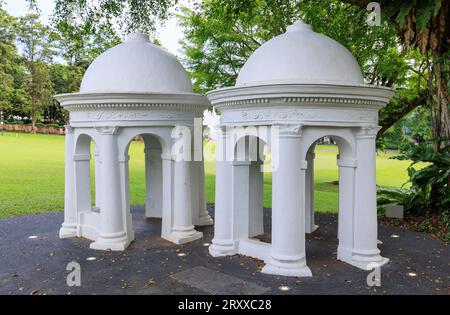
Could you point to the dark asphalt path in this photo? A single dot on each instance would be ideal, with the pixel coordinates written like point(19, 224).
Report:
point(152, 266)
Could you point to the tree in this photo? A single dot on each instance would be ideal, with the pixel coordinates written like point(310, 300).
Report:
point(127, 15)
point(221, 35)
point(424, 25)
point(8, 58)
point(79, 44)
point(63, 81)
point(37, 52)
point(13, 97)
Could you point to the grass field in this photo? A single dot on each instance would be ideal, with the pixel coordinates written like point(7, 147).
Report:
point(32, 175)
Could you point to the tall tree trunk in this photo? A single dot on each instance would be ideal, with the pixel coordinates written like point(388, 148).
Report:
point(439, 112)
point(442, 97)
point(33, 114)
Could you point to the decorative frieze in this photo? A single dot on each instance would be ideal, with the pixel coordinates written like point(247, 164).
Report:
point(299, 101)
point(123, 106)
point(128, 115)
point(302, 114)
point(109, 130)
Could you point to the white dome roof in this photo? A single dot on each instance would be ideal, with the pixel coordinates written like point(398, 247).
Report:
point(136, 66)
point(301, 56)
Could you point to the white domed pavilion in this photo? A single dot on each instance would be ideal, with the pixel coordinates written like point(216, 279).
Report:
point(133, 89)
point(295, 89)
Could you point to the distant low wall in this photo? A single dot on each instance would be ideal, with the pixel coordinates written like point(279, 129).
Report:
point(37, 129)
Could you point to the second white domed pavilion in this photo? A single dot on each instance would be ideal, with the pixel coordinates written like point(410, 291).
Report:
point(133, 89)
point(294, 90)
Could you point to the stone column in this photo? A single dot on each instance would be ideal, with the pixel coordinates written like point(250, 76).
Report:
point(256, 190)
point(309, 194)
point(182, 229)
point(365, 251)
point(125, 190)
point(347, 169)
point(69, 226)
point(112, 232)
point(203, 216)
point(98, 184)
point(82, 163)
point(288, 207)
point(167, 196)
point(200, 213)
point(195, 191)
point(223, 243)
point(153, 183)
point(240, 197)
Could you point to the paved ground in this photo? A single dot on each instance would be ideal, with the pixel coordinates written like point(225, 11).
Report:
point(153, 266)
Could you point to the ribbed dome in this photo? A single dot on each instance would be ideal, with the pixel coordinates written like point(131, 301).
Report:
point(301, 56)
point(136, 66)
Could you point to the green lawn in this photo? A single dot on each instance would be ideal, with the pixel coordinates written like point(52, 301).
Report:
point(32, 175)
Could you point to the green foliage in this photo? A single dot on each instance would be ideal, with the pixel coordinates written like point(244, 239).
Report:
point(412, 128)
point(127, 15)
point(37, 51)
point(29, 80)
point(398, 10)
point(11, 71)
point(429, 189)
point(220, 36)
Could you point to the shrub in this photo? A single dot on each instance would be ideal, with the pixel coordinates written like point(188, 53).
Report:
point(430, 185)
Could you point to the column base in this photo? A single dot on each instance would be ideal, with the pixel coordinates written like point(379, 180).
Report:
point(114, 243)
point(205, 220)
point(67, 231)
point(313, 229)
point(153, 213)
point(222, 248)
point(183, 237)
point(287, 268)
point(362, 261)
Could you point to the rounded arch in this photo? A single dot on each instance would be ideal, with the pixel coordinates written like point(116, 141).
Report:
point(250, 163)
point(249, 148)
point(152, 148)
point(157, 139)
point(248, 133)
point(343, 137)
point(87, 180)
point(151, 141)
point(83, 143)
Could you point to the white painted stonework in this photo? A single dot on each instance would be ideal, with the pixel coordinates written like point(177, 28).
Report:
point(295, 89)
point(135, 88)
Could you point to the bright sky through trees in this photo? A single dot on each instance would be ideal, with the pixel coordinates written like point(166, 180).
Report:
point(169, 34)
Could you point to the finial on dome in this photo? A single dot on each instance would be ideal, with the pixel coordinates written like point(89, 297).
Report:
point(299, 25)
point(137, 36)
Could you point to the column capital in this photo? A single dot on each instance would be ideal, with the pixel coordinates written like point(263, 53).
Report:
point(367, 131)
point(108, 130)
point(347, 163)
point(241, 163)
point(166, 156)
point(123, 158)
point(303, 165)
point(289, 130)
point(179, 130)
point(221, 132)
point(81, 157)
point(69, 129)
